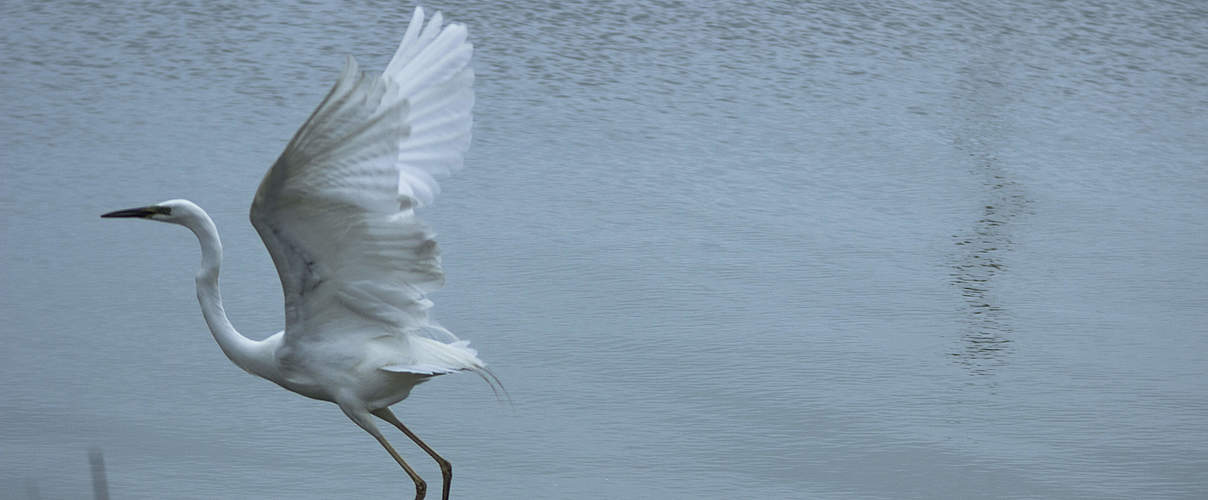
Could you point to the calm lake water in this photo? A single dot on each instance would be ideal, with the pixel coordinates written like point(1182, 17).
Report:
point(784, 250)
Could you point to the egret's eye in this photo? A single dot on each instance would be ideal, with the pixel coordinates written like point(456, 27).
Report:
point(162, 210)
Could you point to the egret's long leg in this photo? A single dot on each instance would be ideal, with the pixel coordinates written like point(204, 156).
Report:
point(366, 423)
point(446, 468)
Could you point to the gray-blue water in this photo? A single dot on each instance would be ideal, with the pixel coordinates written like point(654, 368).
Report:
point(791, 250)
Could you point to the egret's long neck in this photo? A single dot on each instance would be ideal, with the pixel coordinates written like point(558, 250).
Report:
point(249, 354)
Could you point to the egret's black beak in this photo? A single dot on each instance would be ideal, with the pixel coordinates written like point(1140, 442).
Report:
point(140, 212)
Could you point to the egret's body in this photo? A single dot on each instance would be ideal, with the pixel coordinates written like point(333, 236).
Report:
point(336, 212)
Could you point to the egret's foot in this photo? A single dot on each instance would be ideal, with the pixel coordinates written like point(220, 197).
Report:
point(446, 473)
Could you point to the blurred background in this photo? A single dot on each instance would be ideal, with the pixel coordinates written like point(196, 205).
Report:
point(713, 250)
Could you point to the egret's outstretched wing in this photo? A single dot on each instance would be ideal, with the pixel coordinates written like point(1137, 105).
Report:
point(336, 209)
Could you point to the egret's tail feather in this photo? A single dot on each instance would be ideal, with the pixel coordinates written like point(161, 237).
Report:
point(488, 376)
point(427, 356)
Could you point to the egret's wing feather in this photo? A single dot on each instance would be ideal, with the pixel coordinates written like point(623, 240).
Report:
point(336, 211)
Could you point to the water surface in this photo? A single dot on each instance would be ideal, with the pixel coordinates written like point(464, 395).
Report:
point(787, 250)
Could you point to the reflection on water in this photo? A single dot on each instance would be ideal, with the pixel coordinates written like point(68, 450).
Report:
point(981, 102)
point(982, 257)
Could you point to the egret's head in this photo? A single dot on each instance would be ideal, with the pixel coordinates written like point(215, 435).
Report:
point(174, 211)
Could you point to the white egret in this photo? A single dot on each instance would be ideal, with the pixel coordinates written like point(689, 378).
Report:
point(336, 211)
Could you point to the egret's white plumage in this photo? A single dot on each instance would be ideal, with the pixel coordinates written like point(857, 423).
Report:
point(337, 214)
